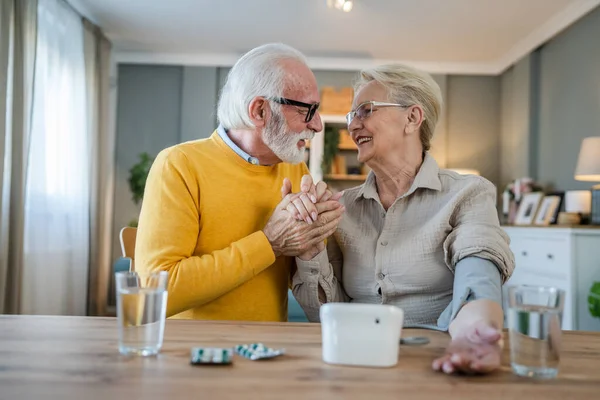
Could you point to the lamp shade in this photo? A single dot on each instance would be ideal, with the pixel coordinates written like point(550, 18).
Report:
point(578, 201)
point(588, 164)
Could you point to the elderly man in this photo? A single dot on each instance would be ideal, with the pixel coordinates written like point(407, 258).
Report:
point(213, 214)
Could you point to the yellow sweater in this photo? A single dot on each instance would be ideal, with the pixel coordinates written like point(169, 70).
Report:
point(202, 217)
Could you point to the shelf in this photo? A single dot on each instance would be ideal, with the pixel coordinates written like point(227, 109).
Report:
point(347, 147)
point(343, 177)
point(333, 119)
point(340, 147)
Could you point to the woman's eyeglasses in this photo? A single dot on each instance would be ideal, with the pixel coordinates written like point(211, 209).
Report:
point(364, 110)
point(310, 113)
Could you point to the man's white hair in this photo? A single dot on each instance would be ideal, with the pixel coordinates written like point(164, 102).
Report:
point(257, 73)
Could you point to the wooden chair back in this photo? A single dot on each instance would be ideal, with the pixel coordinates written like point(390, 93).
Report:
point(127, 238)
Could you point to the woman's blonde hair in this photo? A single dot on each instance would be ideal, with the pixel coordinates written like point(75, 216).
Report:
point(409, 86)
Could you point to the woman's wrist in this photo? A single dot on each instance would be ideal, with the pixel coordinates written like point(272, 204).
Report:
point(470, 332)
point(476, 313)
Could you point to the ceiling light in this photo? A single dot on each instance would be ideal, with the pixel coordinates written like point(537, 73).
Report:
point(344, 5)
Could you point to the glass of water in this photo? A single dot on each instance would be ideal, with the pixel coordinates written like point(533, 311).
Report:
point(534, 323)
point(141, 311)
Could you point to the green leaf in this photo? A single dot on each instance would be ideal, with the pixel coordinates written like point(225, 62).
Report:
point(331, 138)
point(594, 300)
point(138, 175)
point(523, 322)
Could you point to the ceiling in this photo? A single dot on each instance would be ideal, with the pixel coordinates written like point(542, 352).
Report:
point(441, 36)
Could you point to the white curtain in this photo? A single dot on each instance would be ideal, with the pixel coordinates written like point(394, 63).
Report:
point(57, 206)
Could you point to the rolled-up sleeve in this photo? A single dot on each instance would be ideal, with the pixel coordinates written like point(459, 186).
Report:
point(474, 279)
point(319, 273)
point(476, 231)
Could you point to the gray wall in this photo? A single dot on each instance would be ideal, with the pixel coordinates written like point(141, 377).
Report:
point(550, 102)
point(157, 107)
point(198, 106)
point(473, 118)
point(148, 120)
point(518, 121)
point(221, 77)
point(569, 106)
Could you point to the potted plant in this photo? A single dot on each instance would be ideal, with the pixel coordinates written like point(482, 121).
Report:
point(137, 180)
point(594, 300)
point(331, 141)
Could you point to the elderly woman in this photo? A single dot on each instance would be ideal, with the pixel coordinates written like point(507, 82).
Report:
point(415, 236)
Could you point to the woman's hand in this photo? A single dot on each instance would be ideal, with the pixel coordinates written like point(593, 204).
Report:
point(312, 252)
point(477, 349)
point(302, 205)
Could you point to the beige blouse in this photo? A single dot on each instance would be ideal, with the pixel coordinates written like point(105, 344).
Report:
point(407, 256)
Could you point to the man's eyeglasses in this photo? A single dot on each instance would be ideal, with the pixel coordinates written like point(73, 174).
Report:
point(364, 110)
point(312, 108)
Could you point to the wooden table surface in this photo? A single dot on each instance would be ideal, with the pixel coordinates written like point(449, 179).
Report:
point(77, 358)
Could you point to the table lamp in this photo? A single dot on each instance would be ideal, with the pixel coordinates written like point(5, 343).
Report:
point(588, 170)
point(578, 202)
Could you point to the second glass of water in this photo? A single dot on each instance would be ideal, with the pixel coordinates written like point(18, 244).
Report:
point(141, 311)
point(534, 323)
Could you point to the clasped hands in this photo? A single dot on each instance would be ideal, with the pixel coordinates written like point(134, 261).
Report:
point(302, 221)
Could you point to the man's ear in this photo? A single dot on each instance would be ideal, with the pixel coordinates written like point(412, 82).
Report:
point(258, 110)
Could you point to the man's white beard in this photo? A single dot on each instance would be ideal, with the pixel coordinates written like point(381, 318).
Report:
point(283, 142)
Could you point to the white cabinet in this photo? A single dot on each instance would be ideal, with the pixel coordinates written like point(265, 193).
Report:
point(567, 258)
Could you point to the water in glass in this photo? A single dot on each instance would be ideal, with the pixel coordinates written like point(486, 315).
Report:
point(141, 312)
point(535, 333)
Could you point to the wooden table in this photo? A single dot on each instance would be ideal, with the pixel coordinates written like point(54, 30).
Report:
point(77, 358)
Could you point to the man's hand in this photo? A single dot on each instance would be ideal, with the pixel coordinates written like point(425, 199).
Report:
point(291, 237)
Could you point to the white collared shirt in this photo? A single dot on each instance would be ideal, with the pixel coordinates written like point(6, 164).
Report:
point(223, 134)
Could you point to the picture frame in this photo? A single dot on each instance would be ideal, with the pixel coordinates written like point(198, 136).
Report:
point(528, 208)
point(561, 205)
point(548, 210)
